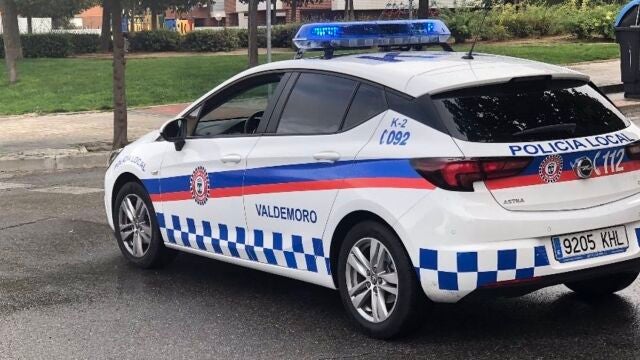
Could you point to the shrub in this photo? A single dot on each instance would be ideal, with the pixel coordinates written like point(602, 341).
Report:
point(211, 40)
point(243, 37)
point(46, 45)
point(461, 22)
point(282, 35)
point(84, 43)
point(156, 40)
point(532, 18)
point(593, 22)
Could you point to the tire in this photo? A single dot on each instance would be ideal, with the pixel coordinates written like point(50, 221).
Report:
point(154, 253)
point(603, 286)
point(405, 314)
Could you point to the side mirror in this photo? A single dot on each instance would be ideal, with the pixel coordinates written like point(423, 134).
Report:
point(174, 131)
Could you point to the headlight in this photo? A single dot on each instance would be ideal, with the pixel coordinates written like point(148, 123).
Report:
point(112, 156)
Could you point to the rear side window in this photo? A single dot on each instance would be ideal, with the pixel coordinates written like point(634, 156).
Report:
point(317, 105)
point(368, 102)
point(521, 113)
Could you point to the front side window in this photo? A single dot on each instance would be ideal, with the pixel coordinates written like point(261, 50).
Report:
point(514, 113)
point(237, 111)
point(317, 105)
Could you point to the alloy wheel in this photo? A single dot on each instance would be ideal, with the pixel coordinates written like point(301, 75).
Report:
point(372, 280)
point(134, 225)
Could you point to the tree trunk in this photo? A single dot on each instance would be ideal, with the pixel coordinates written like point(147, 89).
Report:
point(154, 19)
point(253, 33)
point(352, 13)
point(119, 90)
point(423, 9)
point(274, 17)
point(294, 11)
point(29, 24)
point(105, 32)
point(11, 38)
point(346, 10)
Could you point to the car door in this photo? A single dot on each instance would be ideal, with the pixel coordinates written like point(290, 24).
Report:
point(295, 170)
point(201, 185)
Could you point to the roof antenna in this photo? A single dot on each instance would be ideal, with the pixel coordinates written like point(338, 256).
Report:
point(469, 55)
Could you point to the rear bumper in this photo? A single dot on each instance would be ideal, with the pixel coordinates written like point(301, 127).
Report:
point(463, 246)
point(519, 288)
point(449, 273)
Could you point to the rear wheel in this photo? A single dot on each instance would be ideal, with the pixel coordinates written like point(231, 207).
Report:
point(137, 230)
point(604, 285)
point(377, 283)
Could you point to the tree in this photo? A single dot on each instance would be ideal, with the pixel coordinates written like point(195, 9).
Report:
point(105, 32)
point(423, 9)
point(11, 38)
point(55, 9)
point(252, 36)
point(253, 33)
point(349, 13)
point(119, 90)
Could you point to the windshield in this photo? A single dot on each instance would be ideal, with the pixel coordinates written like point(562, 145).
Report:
point(522, 112)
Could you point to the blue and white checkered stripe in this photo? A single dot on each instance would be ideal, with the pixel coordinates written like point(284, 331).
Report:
point(464, 271)
point(269, 248)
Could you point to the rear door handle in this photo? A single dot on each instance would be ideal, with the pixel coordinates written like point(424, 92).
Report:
point(231, 158)
point(330, 156)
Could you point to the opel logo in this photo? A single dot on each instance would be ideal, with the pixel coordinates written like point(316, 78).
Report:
point(583, 167)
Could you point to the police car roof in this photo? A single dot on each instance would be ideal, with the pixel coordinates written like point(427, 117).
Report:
point(420, 72)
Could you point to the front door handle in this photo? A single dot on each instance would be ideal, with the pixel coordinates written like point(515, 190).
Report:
point(231, 158)
point(330, 156)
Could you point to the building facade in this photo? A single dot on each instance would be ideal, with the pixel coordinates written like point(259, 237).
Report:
point(234, 13)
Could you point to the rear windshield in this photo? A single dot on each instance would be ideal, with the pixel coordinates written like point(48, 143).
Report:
point(521, 112)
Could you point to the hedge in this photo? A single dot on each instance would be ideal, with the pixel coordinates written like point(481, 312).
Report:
point(85, 43)
point(211, 40)
point(532, 18)
point(56, 45)
point(159, 40)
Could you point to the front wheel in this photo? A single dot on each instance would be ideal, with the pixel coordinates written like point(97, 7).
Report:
point(377, 283)
point(137, 230)
point(604, 285)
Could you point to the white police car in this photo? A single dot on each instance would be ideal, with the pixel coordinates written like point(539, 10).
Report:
point(392, 175)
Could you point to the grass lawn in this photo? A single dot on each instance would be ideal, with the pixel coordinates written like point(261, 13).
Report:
point(554, 53)
point(62, 85)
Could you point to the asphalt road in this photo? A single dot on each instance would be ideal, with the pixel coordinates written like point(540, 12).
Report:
point(66, 292)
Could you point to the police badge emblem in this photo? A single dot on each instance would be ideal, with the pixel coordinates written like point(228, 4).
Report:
point(199, 185)
point(550, 168)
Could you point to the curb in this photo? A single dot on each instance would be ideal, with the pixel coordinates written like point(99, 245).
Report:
point(61, 162)
point(611, 89)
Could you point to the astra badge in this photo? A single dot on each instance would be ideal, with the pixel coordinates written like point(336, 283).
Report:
point(199, 185)
point(583, 167)
point(550, 168)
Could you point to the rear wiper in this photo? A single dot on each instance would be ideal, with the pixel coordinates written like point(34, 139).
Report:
point(566, 128)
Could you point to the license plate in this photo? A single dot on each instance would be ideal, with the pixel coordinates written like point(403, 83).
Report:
point(590, 244)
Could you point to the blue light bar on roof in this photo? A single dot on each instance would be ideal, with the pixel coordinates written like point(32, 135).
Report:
point(371, 33)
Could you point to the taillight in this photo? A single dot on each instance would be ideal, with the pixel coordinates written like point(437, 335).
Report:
point(633, 151)
point(459, 175)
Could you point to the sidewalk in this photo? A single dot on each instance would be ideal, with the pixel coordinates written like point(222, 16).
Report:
point(77, 140)
point(81, 140)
